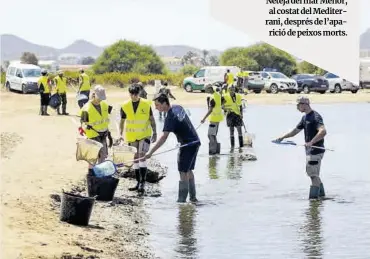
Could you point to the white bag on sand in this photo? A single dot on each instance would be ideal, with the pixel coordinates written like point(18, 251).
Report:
point(88, 150)
point(124, 154)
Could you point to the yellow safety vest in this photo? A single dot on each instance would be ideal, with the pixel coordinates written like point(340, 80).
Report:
point(99, 122)
point(230, 78)
point(216, 115)
point(85, 83)
point(239, 74)
point(233, 106)
point(61, 84)
point(137, 125)
point(44, 81)
point(245, 74)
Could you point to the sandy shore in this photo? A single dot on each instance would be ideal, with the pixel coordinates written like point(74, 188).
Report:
point(38, 161)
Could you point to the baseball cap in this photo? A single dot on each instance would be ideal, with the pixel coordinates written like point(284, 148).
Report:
point(303, 100)
point(100, 92)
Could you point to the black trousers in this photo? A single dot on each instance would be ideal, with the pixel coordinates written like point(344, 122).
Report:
point(45, 98)
point(63, 98)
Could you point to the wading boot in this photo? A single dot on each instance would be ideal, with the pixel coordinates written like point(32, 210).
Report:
point(212, 148)
point(183, 191)
point(64, 109)
point(241, 141)
point(192, 191)
point(218, 151)
point(143, 171)
point(232, 141)
point(137, 175)
point(314, 192)
point(322, 190)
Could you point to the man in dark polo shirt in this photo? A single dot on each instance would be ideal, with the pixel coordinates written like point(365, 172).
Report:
point(178, 122)
point(314, 132)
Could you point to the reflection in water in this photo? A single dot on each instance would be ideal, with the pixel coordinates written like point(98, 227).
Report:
point(187, 246)
point(312, 240)
point(234, 165)
point(212, 166)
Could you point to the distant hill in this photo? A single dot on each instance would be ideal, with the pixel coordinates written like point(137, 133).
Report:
point(365, 40)
point(13, 46)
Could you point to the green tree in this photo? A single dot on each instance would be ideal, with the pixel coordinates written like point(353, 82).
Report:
point(307, 68)
point(127, 56)
point(189, 69)
point(29, 58)
point(258, 56)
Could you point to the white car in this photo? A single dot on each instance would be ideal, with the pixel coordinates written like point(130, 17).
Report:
point(337, 84)
point(278, 82)
point(207, 75)
point(22, 77)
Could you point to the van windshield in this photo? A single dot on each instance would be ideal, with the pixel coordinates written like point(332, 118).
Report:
point(31, 72)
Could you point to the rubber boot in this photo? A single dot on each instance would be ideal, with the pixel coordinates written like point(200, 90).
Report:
point(192, 191)
point(143, 171)
point(314, 192)
point(46, 110)
point(241, 141)
point(322, 190)
point(64, 109)
point(232, 141)
point(58, 110)
point(212, 148)
point(137, 175)
point(218, 148)
point(183, 191)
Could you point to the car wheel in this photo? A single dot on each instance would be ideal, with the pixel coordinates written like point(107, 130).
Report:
point(24, 91)
point(7, 86)
point(337, 89)
point(306, 90)
point(354, 91)
point(188, 88)
point(274, 89)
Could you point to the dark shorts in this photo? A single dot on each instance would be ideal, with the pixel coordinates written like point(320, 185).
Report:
point(234, 120)
point(186, 158)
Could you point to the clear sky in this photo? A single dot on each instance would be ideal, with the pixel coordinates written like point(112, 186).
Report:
point(58, 23)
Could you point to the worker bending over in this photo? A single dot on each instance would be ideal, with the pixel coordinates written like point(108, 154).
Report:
point(165, 90)
point(95, 121)
point(139, 127)
point(214, 102)
point(178, 122)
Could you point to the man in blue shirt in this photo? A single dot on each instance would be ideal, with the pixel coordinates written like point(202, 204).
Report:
point(178, 122)
point(314, 133)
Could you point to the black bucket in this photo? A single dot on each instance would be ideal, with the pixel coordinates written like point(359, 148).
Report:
point(76, 209)
point(102, 187)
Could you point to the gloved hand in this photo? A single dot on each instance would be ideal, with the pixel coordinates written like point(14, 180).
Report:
point(81, 131)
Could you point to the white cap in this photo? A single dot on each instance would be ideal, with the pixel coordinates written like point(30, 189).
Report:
point(100, 92)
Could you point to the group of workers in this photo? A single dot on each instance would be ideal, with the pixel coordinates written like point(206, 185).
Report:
point(58, 85)
point(138, 127)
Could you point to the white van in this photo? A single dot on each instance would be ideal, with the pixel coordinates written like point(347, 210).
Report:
point(22, 77)
point(207, 75)
point(365, 73)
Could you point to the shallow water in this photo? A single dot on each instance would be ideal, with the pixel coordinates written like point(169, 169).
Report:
point(259, 209)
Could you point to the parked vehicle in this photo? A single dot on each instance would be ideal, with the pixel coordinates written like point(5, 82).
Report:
point(337, 84)
point(207, 75)
point(22, 77)
point(255, 82)
point(311, 83)
point(278, 82)
point(365, 73)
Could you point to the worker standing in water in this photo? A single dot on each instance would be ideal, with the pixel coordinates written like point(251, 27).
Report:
point(234, 118)
point(45, 92)
point(84, 87)
point(61, 89)
point(314, 133)
point(178, 122)
point(95, 122)
point(214, 103)
point(138, 128)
